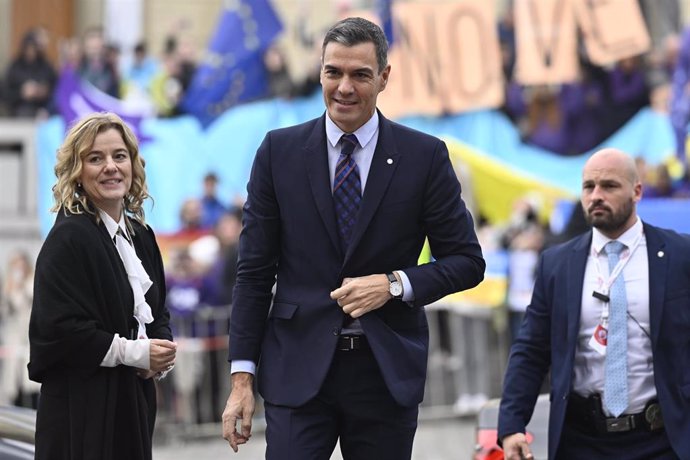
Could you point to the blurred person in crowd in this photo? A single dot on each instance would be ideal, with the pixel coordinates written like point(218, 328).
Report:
point(279, 80)
point(96, 66)
point(219, 280)
point(211, 206)
point(166, 88)
point(609, 320)
point(191, 214)
point(144, 68)
point(70, 51)
point(682, 187)
point(342, 354)
point(184, 283)
point(15, 310)
point(661, 62)
point(523, 239)
point(176, 72)
point(661, 184)
point(30, 80)
point(544, 125)
point(628, 91)
point(680, 96)
point(99, 330)
point(583, 104)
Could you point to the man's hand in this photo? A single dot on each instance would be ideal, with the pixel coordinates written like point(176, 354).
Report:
point(515, 447)
point(161, 355)
point(361, 295)
point(240, 406)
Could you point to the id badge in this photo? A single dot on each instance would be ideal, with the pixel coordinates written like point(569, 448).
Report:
point(598, 340)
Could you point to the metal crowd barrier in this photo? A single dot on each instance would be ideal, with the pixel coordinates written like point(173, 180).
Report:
point(468, 350)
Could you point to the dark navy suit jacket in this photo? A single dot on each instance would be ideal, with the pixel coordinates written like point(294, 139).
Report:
point(290, 232)
point(548, 336)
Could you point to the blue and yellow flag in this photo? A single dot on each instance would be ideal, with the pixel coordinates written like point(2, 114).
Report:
point(232, 70)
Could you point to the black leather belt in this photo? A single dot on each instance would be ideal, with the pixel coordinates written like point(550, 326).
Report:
point(352, 342)
point(586, 414)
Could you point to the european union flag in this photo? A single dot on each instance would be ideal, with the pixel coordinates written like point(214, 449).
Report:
point(232, 70)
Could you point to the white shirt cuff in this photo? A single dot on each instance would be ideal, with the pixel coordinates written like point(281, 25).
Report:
point(408, 293)
point(134, 353)
point(243, 365)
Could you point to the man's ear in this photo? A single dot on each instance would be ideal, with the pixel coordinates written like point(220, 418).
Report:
point(384, 76)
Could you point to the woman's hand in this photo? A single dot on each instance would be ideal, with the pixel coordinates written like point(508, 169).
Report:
point(162, 355)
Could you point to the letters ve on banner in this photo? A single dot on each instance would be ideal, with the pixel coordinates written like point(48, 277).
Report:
point(446, 56)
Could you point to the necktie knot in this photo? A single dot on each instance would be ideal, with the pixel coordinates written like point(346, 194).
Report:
point(348, 144)
point(614, 247)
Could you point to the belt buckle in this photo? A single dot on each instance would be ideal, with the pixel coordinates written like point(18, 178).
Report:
point(652, 415)
point(620, 424)
point(349, 344)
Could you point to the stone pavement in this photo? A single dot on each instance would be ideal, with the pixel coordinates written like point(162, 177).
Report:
point(445, 439)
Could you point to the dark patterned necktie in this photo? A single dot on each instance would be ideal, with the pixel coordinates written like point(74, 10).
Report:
point(347, 188)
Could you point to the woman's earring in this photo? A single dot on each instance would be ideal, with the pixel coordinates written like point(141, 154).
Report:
point(78, 184)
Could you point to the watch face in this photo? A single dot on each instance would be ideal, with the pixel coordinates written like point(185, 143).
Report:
point(396, 289)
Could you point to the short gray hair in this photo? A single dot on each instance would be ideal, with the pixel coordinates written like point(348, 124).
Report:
point(353, 31)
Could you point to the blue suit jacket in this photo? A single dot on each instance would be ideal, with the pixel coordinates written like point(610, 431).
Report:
point(549, 334)
point(290, 232)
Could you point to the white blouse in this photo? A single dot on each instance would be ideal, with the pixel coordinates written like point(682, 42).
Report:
point(134, 352)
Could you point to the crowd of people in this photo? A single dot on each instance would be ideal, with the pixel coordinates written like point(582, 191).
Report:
point(364, 280)
point(155, 82)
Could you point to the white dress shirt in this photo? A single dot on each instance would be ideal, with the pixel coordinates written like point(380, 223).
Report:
point(590, 364)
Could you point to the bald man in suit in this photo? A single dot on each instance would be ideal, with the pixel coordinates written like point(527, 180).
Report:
point(606, 402)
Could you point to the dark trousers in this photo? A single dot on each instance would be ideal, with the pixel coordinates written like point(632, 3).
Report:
point(633, 445)
point(354, 406)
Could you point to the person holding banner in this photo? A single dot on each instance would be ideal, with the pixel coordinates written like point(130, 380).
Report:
point(610, 319)
point(99, 330)
point(342, 346)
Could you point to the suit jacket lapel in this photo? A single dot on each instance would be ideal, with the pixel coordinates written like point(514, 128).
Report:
point(316, 161)
point(575, 284)
point(383, 165)
point(658, 266)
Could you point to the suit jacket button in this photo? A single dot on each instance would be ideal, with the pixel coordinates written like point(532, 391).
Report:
point(336, 331)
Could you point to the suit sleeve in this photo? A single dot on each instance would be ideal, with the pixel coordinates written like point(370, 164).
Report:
point(259, 249)
point(529, 360)
point(458, 263)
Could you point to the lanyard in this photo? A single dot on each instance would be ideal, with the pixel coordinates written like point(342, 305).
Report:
point(605, 285)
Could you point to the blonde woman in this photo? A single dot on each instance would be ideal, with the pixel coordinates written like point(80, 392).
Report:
point(99, 329)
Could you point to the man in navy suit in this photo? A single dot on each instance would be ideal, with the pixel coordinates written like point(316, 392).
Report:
point(606, 402)
point(342, 346)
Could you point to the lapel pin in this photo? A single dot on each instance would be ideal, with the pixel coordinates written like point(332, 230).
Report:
point(389, 161)
point(660, 254)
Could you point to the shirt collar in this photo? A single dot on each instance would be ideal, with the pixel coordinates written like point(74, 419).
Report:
point(111, 225)
point(599, 240)
point(364, 134)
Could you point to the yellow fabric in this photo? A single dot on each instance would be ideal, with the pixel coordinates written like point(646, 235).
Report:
point(495, 186)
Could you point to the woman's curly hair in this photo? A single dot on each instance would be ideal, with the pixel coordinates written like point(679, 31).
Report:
point(67, 191)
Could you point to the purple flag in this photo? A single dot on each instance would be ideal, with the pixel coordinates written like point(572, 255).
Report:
point(76, 97)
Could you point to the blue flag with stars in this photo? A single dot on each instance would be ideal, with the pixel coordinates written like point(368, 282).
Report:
point(232, 70)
